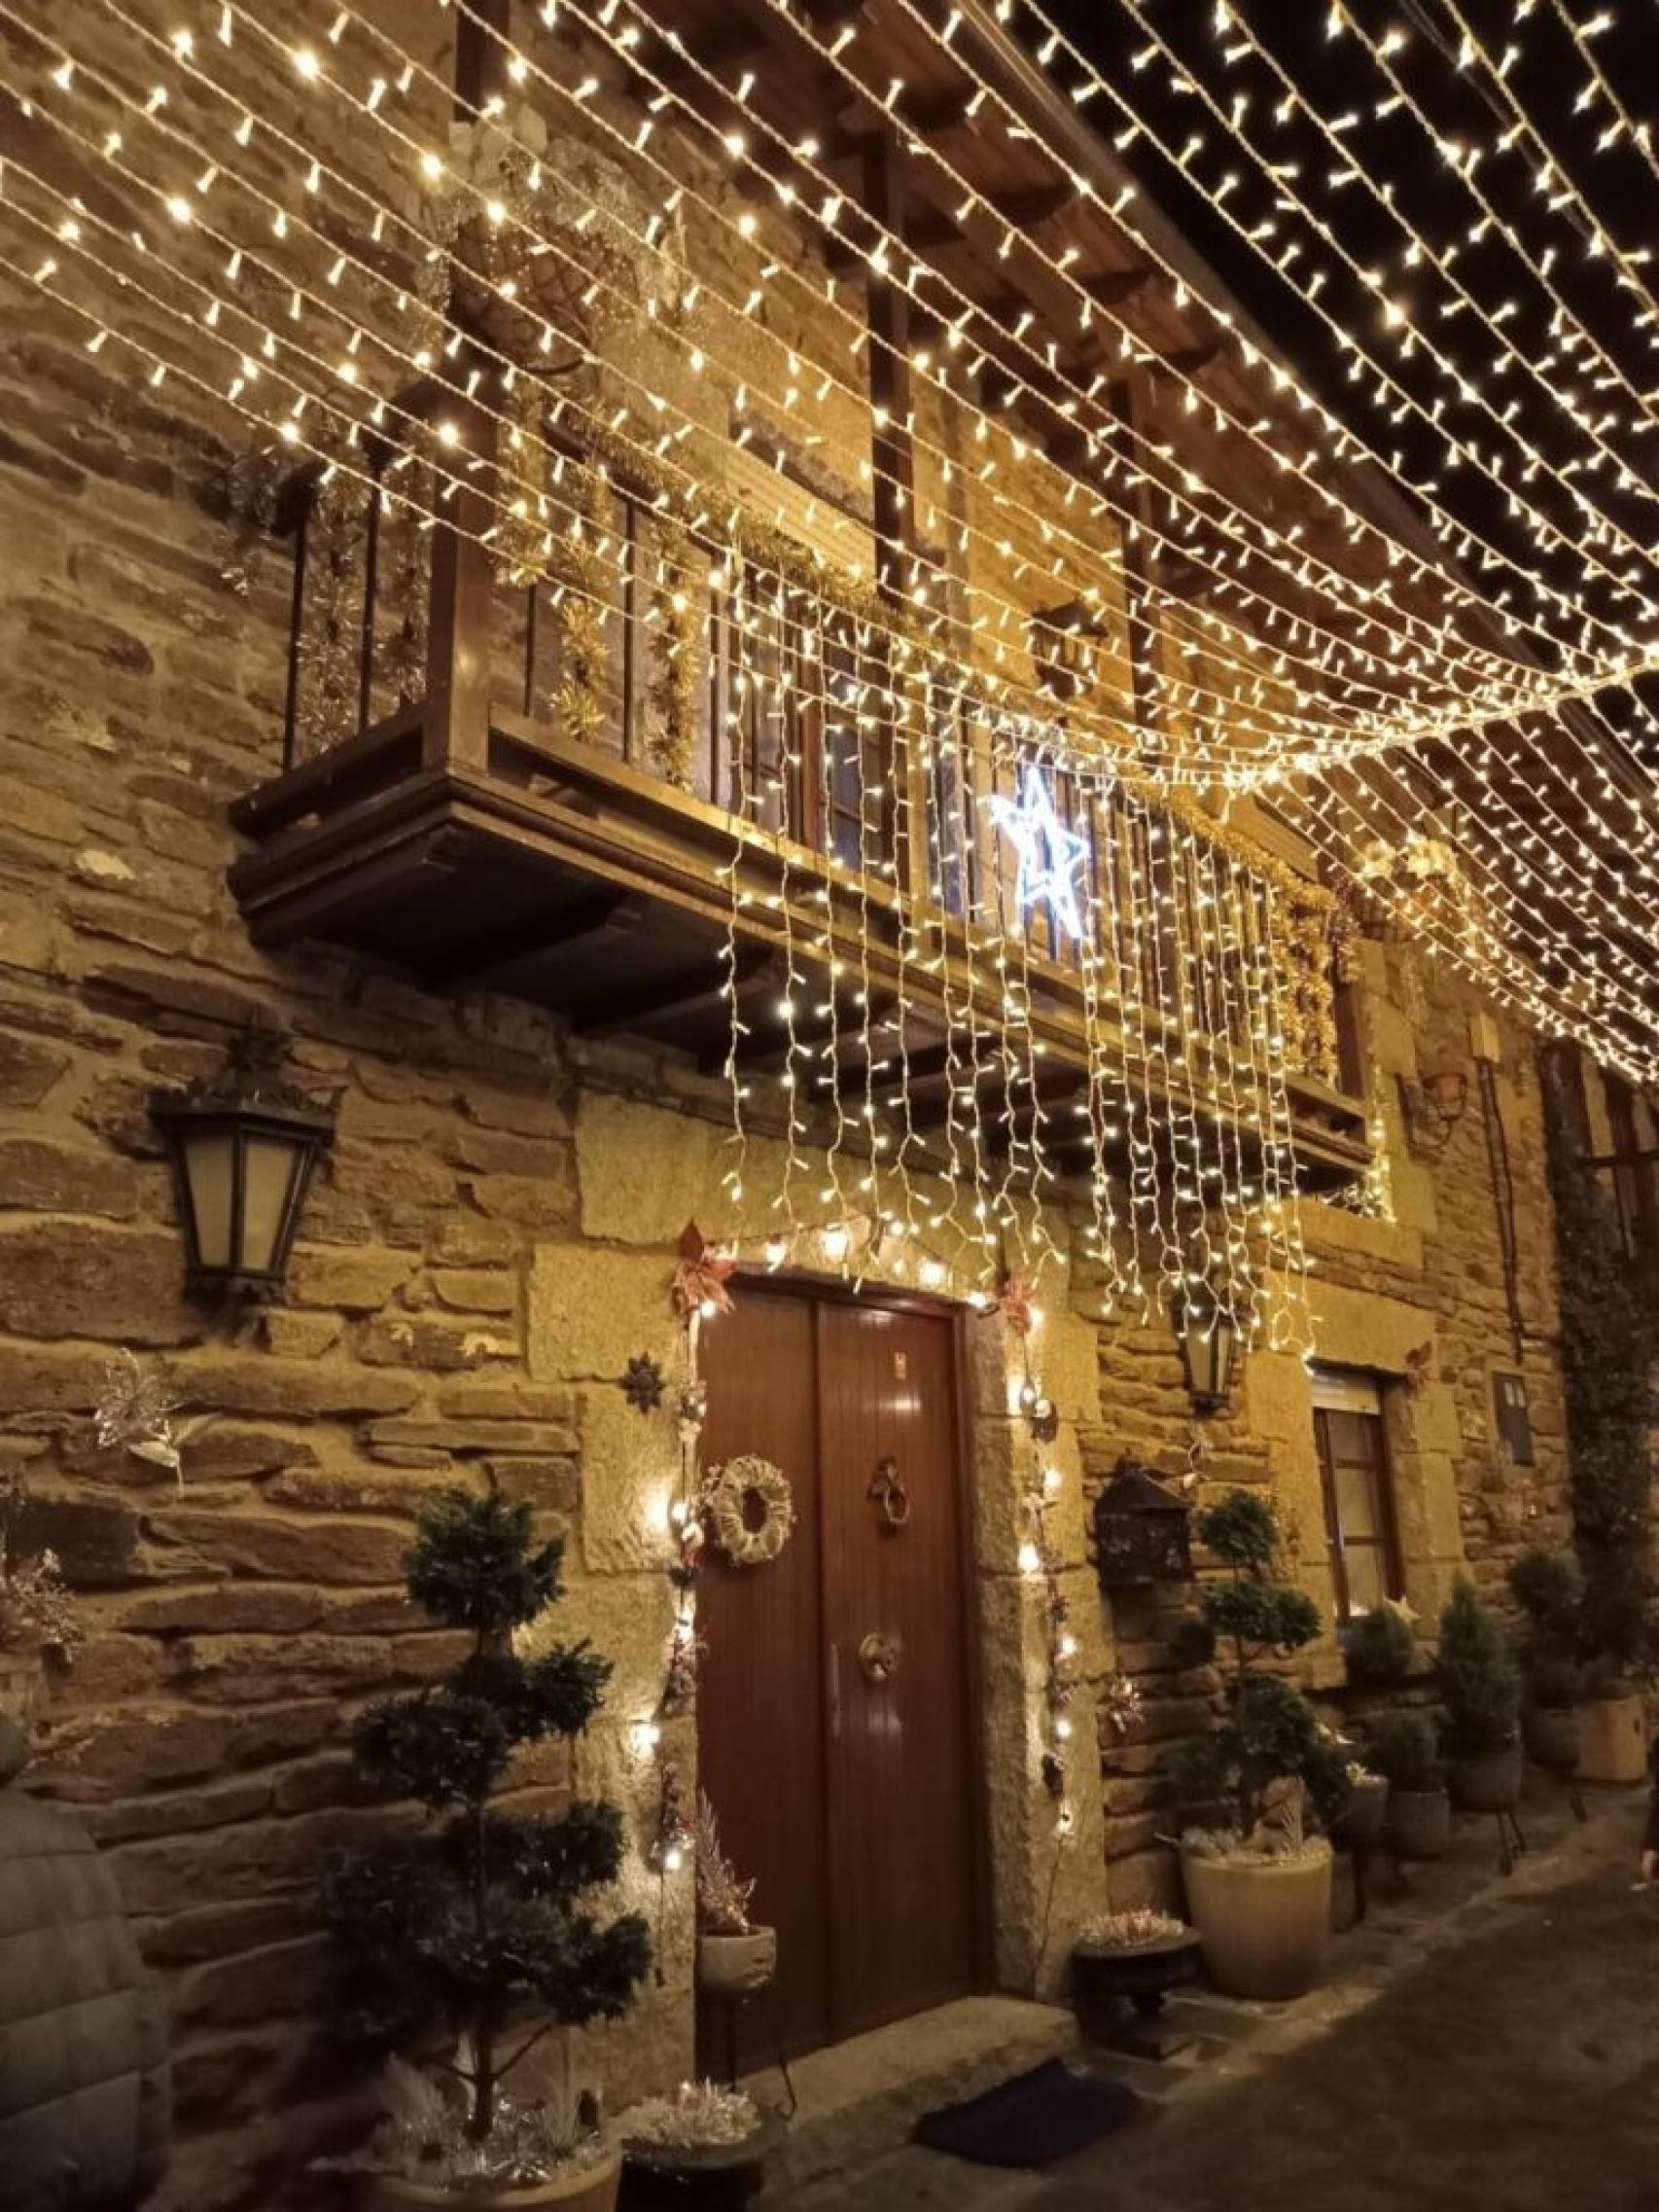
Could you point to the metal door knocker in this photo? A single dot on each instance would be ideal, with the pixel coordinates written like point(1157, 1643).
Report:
point(878, 1658)
point(889, 1491)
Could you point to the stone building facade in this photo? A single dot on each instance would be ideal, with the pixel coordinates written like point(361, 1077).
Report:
point(491, 1242)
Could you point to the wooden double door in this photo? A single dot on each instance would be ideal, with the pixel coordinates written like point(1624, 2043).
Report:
point(836, 1705)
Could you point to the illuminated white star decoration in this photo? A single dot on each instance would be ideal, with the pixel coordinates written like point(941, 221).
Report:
point(1049, 854)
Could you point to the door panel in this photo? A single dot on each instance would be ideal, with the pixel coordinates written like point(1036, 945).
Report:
point(761, 1685)
point(850, 1801)
point(899, 1808)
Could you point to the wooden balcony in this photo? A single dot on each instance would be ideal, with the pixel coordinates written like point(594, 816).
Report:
point(467, 836)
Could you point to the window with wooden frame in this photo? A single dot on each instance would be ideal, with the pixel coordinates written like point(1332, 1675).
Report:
point(1360, 1533)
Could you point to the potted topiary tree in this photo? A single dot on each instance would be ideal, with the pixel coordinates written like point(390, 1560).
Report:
point(735, 1956)
point(1379, 1649)
point(470, 1938)
point(1258, 1882)
point(1549, 1588)
point(1481, 1688)
point(1401, 1747)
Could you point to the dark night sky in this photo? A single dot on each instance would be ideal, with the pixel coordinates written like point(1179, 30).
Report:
point(1340, 75)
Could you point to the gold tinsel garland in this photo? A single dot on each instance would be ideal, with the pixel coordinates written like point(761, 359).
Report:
point(331, 639)
point(672, 690)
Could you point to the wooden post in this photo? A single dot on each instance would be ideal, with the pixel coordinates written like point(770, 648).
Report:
point(481, 57)
point(893, 489)
point(459, 617)
point(455, 732)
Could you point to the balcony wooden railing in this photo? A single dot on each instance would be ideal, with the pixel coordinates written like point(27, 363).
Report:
point(594, 752)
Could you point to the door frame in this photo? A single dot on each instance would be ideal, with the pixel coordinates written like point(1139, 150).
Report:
point(830, 1291)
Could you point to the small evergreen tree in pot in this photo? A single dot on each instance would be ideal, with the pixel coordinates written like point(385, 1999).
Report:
point(1549, 1587)
point(1481, 1687)
point(469, 1938)
point(1259, 1771)
point(1400, 1746)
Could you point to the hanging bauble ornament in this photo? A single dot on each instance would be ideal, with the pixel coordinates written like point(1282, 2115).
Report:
point(749, 1508)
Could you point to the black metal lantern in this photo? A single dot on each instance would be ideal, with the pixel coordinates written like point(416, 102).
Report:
point(243, 1145)
point(1140, 1528)
point(1209, 1340)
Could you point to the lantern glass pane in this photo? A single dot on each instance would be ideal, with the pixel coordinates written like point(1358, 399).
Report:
point(210, 1169)
point(268, 1170)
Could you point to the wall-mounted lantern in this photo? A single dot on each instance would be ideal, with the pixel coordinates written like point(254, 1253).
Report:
point(1141, 1530)
point(1208, 1338)
point(243, 1145)
point(1432, 1109)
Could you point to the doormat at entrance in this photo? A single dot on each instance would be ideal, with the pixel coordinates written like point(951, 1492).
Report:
point(1035, 2120)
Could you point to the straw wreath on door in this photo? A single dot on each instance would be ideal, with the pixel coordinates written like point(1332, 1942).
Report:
point(749, 1509)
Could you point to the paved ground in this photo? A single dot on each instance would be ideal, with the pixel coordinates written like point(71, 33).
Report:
point(1484, 2045)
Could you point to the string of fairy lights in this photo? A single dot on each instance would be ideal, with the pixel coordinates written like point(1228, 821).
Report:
point(1036, 989)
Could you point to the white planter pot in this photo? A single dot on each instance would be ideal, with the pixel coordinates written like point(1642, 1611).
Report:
point(1265, 1922)
point(586, 2189)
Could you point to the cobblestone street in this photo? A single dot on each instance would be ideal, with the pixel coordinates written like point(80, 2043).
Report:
point(1501, 2054)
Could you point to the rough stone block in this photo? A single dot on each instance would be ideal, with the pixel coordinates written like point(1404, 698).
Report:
point(299, 1336)
point(440, 1347)
point(150, 1746)
point(594, 1309)
point(72, 1278)
point(629, 1465)
point(180, 1812)
point(216, 1931)
point(353, 1282)
point(476, 1290)
point(248, 1669)
point(249, 1383)
point(505, 1398)
point(95, 1539)
point(218, 1610)
point(645, 1172)
point(332, 1550)
point(1363, 1329)
point(522, 1200)
point(1278, 1396)
point(38, 1177)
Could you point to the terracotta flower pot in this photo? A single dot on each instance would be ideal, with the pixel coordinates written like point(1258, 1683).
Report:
point(584, 2189)
point(1420, 1822)
point(736, 1965)
point(1613, 1738)
point(1491, 1783)
point(1264, 1922)
point(1552, 1738)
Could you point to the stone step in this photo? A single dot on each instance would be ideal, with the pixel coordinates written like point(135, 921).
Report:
point(860, 2098)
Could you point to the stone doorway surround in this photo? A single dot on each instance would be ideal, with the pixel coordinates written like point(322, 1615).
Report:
point(599, 1298)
